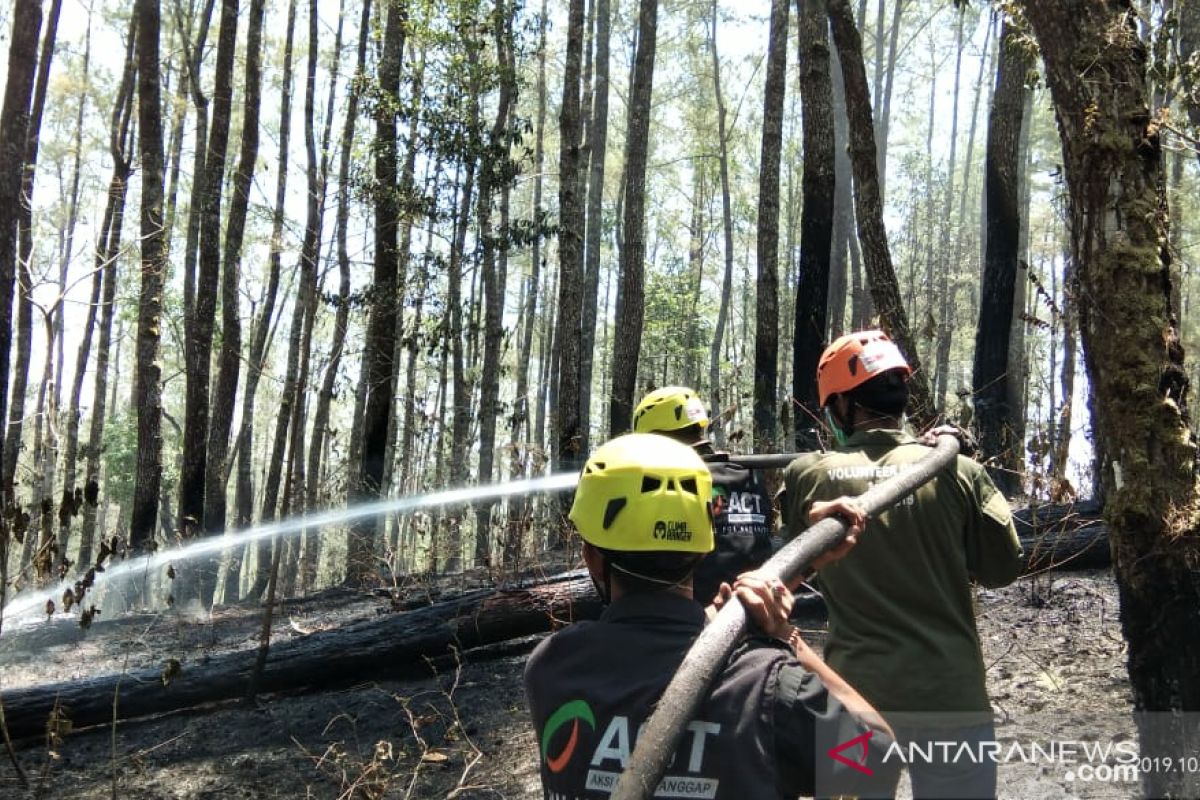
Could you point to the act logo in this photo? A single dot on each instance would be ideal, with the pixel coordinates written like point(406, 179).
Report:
point(568, 713)
point(860, 762)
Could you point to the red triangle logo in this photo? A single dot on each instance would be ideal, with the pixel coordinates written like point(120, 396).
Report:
point(859, 763)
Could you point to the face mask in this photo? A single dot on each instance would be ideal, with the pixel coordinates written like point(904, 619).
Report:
point(839, 435)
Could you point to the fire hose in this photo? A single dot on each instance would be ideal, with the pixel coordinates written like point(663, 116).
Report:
point(687, 690)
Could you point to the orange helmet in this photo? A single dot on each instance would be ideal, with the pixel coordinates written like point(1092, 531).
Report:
point(853, 360)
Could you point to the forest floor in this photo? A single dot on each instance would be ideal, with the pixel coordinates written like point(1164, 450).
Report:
point(1053, 646)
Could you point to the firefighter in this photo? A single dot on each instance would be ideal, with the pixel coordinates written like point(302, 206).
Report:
point(743, 517)
point(901, 617)
point(643, 509)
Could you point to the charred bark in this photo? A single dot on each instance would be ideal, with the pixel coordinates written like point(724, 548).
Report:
point(819, 191)
point(144, 513)
point(766, 318)
point(396, 644)
point(993, 415)
point(869, 207)
point(1112, 158)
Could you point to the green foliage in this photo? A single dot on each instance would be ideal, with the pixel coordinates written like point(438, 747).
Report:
point(120, 456)
point(679, 325)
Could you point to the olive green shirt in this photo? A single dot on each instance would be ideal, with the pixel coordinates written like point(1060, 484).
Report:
point(901, 621)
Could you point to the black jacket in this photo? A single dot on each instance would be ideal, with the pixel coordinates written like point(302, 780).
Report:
point(761, 734)
point(743, 520)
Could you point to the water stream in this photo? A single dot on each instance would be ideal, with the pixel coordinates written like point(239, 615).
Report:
point(35, 602)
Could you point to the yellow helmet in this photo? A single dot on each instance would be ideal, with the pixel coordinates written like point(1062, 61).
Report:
point(641, 493)
point(669, 409)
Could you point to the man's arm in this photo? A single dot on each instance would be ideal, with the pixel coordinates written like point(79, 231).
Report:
point(994, 554)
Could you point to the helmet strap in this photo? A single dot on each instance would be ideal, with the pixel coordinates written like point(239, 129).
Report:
point(657, 581)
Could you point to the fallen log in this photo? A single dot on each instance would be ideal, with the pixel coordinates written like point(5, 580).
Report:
point(388, 647)
point(1063, 536)
point(397, 645)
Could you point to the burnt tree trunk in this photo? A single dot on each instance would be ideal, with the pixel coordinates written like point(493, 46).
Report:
point(597, 153)
point(869, 207)
point(204, 307)
point(400, 643)
point(565, 414)
point(244, 489)
point(495, 175)
point(12, 444)
point(819, 191)
point(14, 119)
point(230, 355)
point(766, 318)
point(380, 342)
point(630, 311)
point(993, 416)
point(1112, 159)
point(714, 354)
point(148, 394)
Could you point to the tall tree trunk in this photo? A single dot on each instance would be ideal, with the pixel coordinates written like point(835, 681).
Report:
point(547, 349)
point(381, 326)
point(843, 208)
point(122, 107)
point(31, 139)
point(108, 246)
point(1112, 161)
point(1061, 416)
point(987, 68)
point(493, 177)
point(342, 224)
point(597, 153)
point(244, 490)
point(630, 304)
point(766, 318)
point(520, 418)
point(1188, 17)
point(408, 189)
point(993, 414)
point(14, 120)
point(461, 415)
point(884, 104)
point(193, 60)
point(199, 348)
point(568, 436)
point(216, 477)
point(296, 568)
point(817, 220)
point(1018, 358)
point(301, 490)
point(946, 319)
point(714, 357)
point(144, 511)
point(869, 208)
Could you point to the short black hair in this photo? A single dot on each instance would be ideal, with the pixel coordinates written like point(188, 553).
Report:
point(886, 393)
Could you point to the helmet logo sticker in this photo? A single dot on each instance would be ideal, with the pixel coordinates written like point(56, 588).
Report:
point(874, 355)
point(672, 531)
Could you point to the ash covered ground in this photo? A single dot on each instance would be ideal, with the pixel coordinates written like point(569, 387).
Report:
point(1056, 668)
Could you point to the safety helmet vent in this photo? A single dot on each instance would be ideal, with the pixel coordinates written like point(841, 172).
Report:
point(612, 509)
point(689, 485)
point(650, 484)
